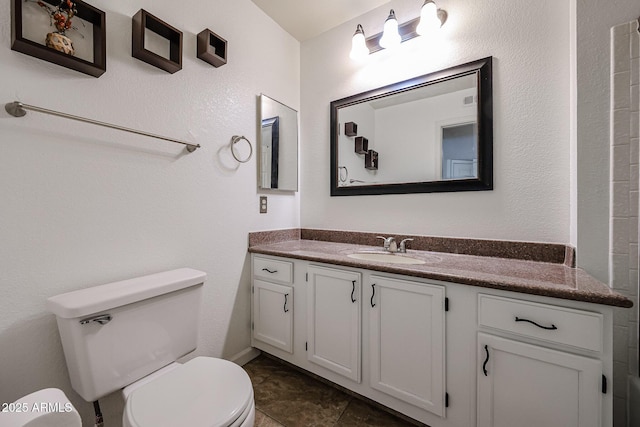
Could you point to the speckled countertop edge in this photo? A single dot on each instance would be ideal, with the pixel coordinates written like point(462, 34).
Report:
point(525, 276)
point(531, 251)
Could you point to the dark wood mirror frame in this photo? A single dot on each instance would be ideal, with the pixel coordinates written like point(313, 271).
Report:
point(484, 180)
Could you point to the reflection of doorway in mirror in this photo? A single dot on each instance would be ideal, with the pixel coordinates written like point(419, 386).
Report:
point(278, 146)
point(265, 161)
point(459, 152)
point(270, 150)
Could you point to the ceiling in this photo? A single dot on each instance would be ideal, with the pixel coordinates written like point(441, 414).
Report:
point(305, 19)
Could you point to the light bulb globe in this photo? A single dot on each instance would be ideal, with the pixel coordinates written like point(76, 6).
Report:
point(429, 20)
point(359, 49)
point(390, 35)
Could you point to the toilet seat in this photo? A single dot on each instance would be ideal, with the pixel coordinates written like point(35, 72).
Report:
point(204, 392)
point(59, 411)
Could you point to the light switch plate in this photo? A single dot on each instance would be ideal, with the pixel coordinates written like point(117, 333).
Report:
point(263, 204)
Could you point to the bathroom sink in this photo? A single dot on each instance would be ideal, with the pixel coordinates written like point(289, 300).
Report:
point(386, 257)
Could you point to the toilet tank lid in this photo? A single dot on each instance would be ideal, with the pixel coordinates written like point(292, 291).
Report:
point(96, 299)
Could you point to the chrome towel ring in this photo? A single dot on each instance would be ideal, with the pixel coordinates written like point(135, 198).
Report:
point(235, 139)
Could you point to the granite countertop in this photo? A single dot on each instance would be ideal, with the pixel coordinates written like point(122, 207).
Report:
point(532, 277)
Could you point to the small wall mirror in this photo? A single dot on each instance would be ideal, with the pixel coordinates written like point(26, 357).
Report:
point(278, 146)
point(433, 133)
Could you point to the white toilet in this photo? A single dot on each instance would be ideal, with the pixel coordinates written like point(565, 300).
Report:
point(127, 335)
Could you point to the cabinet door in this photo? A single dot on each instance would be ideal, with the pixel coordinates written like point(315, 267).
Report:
point(273, 314)
point(407, 341)
point(530, 386)
point(333, 320)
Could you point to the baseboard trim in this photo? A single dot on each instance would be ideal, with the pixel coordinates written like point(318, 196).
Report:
point(245, 356)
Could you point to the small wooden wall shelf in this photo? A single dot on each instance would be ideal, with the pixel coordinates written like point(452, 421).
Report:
point(212, 48)
point(86, 12)
point(144, 20)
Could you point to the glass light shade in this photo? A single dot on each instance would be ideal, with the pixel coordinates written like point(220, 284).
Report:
point(390, 35)
point(359, 49)
point(429, 20)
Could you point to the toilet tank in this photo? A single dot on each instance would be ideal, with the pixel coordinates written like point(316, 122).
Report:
point(115, 334)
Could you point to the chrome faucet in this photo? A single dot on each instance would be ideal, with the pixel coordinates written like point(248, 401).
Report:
point(389, 243)
point(403, 245)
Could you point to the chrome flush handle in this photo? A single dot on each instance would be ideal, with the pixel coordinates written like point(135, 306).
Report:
point(102, 319)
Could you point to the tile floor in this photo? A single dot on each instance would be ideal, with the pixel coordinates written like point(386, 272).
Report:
point(286, 397)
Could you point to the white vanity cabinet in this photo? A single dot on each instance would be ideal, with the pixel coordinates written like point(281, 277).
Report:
point(407, 341)
point(532, 386)
point(419, 346)
point(334, 320)
point(545, 371)
point(272, 317)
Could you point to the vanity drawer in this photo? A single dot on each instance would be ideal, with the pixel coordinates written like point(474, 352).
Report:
point(271, 269)
point(576, 328)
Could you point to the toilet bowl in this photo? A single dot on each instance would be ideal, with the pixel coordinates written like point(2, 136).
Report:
point(44, 408)
point(204, 392)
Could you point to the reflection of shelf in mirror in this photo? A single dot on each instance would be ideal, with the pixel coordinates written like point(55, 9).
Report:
point(362, 145)
point(351, 129)
point(371, 160)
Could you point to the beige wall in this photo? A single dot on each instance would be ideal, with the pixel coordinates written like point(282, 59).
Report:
point(82, 206)
point(530, 43)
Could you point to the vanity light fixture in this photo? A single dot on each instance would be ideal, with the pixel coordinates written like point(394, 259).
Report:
point(431, 19)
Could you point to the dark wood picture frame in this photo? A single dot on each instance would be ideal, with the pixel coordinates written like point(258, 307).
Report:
point(86, 12)
point(144, 20)
point(212, 48)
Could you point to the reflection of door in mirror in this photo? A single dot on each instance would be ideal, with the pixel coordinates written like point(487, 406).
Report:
point(459, 151)
point(270, 151)
point(278, 146)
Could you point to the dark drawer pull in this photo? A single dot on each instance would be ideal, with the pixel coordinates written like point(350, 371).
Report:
point(269, 271)
point(285, 303)
point(548, 328)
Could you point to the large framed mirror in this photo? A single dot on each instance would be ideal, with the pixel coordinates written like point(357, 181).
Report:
point(432, 133)
point(278, 146)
